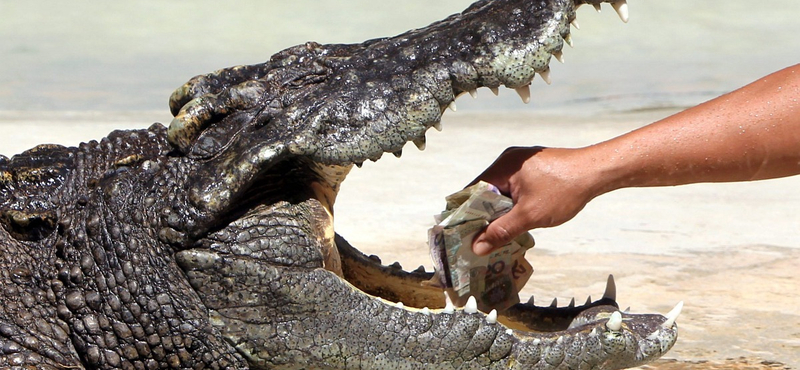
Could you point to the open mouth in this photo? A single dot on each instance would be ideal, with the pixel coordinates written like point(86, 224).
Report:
point(284, 219)
point(414, 290)
point(275, 141)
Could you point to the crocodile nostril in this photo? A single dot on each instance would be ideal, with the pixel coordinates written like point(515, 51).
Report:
point(28, 226)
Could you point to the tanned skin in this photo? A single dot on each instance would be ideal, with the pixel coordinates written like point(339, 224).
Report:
point(752, 133)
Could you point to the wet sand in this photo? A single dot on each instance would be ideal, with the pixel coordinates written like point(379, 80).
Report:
point(729, 251)
point(738, 302)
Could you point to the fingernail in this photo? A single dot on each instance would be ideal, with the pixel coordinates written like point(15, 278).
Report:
point(480, 248)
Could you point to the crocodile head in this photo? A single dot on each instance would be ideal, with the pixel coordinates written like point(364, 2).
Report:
point(277, 139)
point(210, 244)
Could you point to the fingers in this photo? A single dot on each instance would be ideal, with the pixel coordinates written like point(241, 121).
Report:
point(500, 232)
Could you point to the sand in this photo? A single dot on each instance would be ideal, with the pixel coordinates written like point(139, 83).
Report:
point(729, 251)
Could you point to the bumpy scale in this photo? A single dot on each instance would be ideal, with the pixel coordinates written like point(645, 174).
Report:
point(211, 244)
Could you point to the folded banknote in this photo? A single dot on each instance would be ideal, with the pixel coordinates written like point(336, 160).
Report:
point(495, 279)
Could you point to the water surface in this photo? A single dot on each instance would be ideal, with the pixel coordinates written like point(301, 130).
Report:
point(129, 55)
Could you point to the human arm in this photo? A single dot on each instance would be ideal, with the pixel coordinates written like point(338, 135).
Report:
point(752, 133)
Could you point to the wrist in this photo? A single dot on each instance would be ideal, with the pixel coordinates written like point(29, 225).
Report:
point(588, 172)
point(607, 168)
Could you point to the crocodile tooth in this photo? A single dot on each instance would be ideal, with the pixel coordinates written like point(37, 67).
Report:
point(399, 305)
point(425, 311)
point(491, 318)
point(438, 126)
point(627, 309)
point(559, 56)
point(472, 305)
point(672, 315)
point(546, 76)
point(611, 289)
point(396, 265)
point(536, 341)
point(621, 7)
point(509, 331)
point(572, 303)
point(568, 40)
point(473, 93)
point(420, 142)
point(398, 153)
point(597, 7)
point(575, 24)
point(448, 305)
point(530, 301)
point(615, 321)
point(359, 164)
point(555, 303)
point(588, 301)
point(524, 93)
point(452, 106)
point(560, 339)
point(495, 91)
point(594, 332)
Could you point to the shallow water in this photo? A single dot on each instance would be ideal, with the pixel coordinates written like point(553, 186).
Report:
point(129, 56)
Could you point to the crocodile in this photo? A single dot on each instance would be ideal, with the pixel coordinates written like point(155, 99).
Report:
point(210, 243)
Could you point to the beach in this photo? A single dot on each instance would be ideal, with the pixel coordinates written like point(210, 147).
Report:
point(729, 251)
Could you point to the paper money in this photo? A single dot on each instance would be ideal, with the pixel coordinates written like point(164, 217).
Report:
point(495, 279)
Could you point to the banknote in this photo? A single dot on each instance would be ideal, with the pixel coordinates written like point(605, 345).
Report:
point(495, 279)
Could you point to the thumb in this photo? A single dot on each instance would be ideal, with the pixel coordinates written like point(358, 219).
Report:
point(499, 232)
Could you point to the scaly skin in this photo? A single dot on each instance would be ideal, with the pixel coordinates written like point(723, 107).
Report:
point(210, 244)
point(359, 101)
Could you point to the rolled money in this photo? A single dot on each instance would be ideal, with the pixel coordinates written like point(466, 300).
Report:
point(495, 279)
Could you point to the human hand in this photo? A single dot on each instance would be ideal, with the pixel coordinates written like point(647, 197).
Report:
point(549, 186)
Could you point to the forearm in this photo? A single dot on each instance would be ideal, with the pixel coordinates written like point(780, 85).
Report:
point(752, 133)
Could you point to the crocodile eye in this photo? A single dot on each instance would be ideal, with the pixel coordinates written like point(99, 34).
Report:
point(28, 226)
